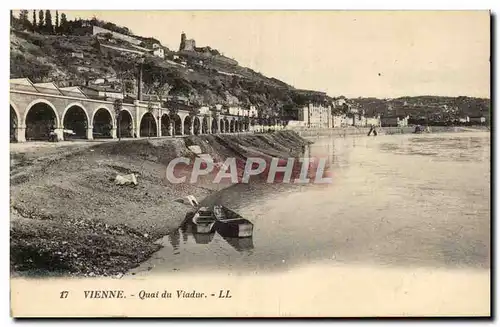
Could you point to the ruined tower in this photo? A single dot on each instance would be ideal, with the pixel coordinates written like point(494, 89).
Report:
point(183, 42)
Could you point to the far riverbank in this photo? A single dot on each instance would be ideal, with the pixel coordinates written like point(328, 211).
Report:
point(355, 131)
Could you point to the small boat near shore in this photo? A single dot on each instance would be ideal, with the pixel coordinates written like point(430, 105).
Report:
point(227, 222)
point(231, 224)
point(204, 221)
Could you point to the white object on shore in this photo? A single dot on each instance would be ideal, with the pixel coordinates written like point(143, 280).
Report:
point(189, 200)
point(126, 179)
point(195, 149)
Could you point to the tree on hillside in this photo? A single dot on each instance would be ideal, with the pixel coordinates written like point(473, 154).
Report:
point(24, 20)
point(56, 27)
point(150, 110)
point(195, 100)
point(117, 106)
point(63, 25)
point(23, 15)
point(35, 26)
point(209, 98)
point(40, 20)
point(48, 22)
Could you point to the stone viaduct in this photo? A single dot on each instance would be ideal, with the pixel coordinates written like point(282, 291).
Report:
point(92, 118)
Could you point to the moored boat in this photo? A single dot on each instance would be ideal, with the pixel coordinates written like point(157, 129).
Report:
point(203, 221)
point(231, 224)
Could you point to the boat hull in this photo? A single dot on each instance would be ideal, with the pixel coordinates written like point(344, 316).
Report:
point(203, 224)
point(235, 228)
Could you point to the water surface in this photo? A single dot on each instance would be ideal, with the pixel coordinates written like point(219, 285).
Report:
point(395, 201)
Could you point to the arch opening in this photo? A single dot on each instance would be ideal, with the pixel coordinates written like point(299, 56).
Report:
point(148, 125)
point(214, 126)
point(75, 123)
point(40, 120)
point(102, 125)
point(14, 123)
point(231, 126)
point(226, 126)
point(222, 126)
point(165, 125)
point(204, 125)
point(126, 126)
point(177, 125)
point(187, 125)
point(196, 126)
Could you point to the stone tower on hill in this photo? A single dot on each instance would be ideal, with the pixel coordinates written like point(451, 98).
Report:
point(183, 41)
point(188, 45)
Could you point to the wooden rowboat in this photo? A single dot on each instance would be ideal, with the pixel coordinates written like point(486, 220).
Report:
point(203, 221)
point(231, 224)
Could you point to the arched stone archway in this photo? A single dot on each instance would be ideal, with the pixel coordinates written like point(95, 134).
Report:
point(222, 126)
point(204, 125)
point(226, 126)
point(125, 129)
point(165, 125)
point(196, 126)
point(75, 119)
point(187, 125)
point(231, 126)
point(148, 126)
point(40, 119)
point(214, 126)
point(14, 124)
point(177, 125)
point(102, 124)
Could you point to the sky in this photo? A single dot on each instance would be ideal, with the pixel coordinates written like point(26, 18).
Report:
point(382, 54)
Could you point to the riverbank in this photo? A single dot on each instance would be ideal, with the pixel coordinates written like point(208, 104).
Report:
point(69, 217)
point(355, 131)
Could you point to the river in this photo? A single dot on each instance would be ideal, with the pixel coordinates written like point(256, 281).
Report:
point(403, 202)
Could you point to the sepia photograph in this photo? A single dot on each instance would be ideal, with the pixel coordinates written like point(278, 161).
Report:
point(272, 163)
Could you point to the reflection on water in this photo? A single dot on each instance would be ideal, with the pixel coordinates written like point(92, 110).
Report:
point(190, 235)
point(404, 200)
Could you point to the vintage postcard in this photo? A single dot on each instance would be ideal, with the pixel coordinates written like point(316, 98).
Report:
point(250, 163)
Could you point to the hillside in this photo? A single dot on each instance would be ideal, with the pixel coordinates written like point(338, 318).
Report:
point(49, 57)
point(69, 54)
point(436, 108)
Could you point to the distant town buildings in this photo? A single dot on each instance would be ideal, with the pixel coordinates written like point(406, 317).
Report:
point(316, 115)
